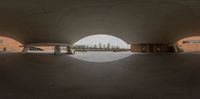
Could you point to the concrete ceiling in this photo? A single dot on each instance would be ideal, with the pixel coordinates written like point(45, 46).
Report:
point(66, 21)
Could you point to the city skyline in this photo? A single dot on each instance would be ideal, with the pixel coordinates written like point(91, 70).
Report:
point(103, 40)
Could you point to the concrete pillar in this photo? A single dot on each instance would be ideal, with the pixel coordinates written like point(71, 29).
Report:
point(4, 49)
point(177, 48)
point(57, 50)
point(69, 50)
point(25, 49)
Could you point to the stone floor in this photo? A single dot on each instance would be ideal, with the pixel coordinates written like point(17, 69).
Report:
point(139, 76)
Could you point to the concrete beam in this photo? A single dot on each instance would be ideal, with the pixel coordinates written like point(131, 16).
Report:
point(70, 51)
point(57, 50)
point(25, 49)
point(46, 44)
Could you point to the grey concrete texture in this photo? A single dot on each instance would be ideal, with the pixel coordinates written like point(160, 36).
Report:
point(139, 76)
point(67, 21)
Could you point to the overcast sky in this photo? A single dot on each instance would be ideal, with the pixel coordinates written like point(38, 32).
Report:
point(103, 39)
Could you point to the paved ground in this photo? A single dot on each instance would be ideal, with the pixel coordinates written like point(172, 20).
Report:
point(139, 76)
point(101, 56)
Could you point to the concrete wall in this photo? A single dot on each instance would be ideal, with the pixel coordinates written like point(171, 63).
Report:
point(46, 48)
point(188, 47)
point(151, 48)
point(136, 48)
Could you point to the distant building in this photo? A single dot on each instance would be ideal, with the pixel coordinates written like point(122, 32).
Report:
point(9, 45)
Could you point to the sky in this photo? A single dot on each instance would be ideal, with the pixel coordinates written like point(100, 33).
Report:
point(103, 39)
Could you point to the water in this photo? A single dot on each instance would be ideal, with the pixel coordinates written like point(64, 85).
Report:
point(101, 56)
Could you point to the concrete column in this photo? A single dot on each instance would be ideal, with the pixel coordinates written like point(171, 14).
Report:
point(69, 50)
point(25, 49)
point(177, 49)
point(4, 49)
point(57, 50)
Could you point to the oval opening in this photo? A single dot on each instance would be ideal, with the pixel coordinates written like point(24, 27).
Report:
point(101, 48)
point(190, 44)
point(9, 45)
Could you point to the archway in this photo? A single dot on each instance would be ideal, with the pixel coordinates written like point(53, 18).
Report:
point(41, 49)
point(189, 44)
point(101, 48)
point(9, 45)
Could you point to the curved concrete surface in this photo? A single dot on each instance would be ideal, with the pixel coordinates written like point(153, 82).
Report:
point(67, 21)
point(140, 76)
